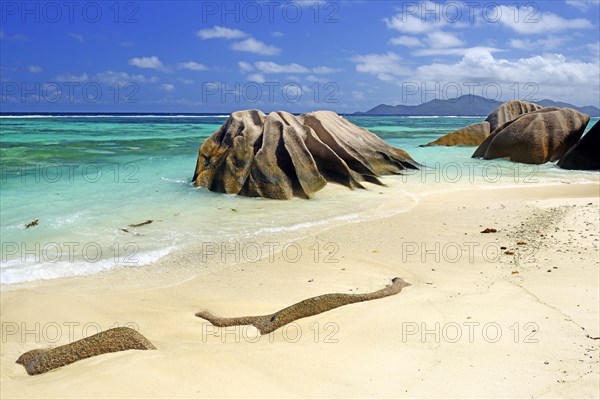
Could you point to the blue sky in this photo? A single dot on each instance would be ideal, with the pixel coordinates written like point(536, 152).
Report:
point(217, 56)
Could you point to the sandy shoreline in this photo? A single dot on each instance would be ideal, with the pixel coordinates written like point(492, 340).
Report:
point(476, 323)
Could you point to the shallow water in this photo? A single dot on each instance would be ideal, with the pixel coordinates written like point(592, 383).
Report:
point(86, 178)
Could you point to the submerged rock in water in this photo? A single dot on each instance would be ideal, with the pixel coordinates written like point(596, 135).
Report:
point(109, 341)
point(585, 154)
point(280, 155)
point(470, 135)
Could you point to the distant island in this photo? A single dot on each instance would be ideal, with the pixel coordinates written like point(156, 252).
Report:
point(467, 105)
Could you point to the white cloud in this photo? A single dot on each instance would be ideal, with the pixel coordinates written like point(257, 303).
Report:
point(548, 76)
point(325, 70)
point(424, 18)
point(292, 91)
point(527, 21)
point(411, 24)
point(192, 66)
point(458, 51)
point(408, 41)
point(421, 17)
point(167, 87)
point(551, 42)
point(122, 78)
point(277, 34)
point(313, 78)
point(72, 77)
point(78, 37)
point(220, 32)
point(443, 40)
point(245, 66)
point(252, 45)
point(152, 62)
point(384, 66)
point(270, 67)
point(258, 78)
point(34, 69)
point(581, 5)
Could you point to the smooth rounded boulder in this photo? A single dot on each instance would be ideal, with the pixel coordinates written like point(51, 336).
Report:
point(585, 154)
point(509, 111)
point(535, 138)
point(470, 135)
point(281, 155)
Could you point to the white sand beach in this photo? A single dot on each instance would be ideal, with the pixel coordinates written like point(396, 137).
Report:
point(476, 323)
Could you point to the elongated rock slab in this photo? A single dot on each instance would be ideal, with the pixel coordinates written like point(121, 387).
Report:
point(112, 340)
point(306, 308)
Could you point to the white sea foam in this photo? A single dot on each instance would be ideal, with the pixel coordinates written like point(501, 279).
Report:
point(20, 271)
point(307, 225)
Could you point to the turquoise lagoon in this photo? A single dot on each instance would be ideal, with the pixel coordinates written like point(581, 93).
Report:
point(86, 179)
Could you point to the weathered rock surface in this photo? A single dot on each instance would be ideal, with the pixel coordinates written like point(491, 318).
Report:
point(281, 155)
point(306, 308)
point(585, 154)
point(470, 135)
point(509, 111)
point(109, 341)
point(536, 137)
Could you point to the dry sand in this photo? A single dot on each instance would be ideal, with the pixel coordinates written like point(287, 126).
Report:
point(479, 324)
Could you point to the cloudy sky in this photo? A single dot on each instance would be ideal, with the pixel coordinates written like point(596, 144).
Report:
point(144, 56)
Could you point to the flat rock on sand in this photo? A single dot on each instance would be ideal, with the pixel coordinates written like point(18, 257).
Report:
point(306, 308)
point(109, 341)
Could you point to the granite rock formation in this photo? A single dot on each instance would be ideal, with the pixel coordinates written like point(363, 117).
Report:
point(509, 111)
point(280, 155)
point(109, 341)
point(536, 137)
point(306, 308)
point(470, 135)
point(585, 154)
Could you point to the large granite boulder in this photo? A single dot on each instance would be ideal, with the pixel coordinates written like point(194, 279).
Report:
point(509, 111)
point(470, 135)
point(585, 154)
point(280, 155)
point(536, 137)
point(109, 341)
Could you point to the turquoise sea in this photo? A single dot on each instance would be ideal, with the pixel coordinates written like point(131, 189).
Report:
point(86, 179)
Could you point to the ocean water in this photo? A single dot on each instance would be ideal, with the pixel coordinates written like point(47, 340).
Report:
point(86, 179)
